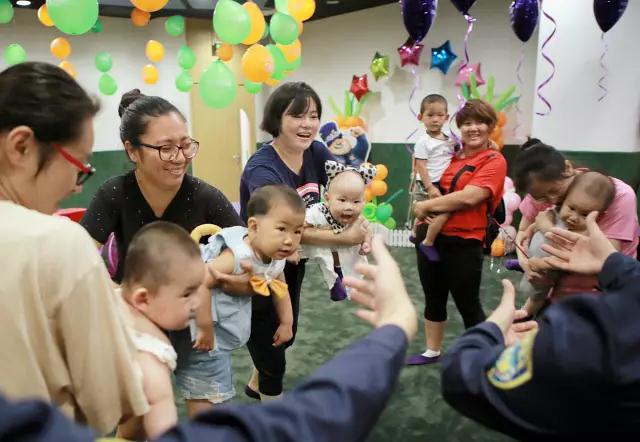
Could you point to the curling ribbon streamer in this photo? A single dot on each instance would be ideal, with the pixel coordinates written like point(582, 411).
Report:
point(470, 20)
point(518, 127)
point(546, 57)
point(605, 71)
point(416, 87)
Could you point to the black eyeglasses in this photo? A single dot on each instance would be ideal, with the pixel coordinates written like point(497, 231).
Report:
point(169, 152)
point(84, 170)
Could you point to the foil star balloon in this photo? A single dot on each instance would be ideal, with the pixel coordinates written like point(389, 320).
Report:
point(380, 66)
point(410, 53)
point(359, 86)
point(442, 57)
point(465, 71)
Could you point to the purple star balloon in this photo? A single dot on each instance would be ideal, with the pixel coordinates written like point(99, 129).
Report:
point(410, 53)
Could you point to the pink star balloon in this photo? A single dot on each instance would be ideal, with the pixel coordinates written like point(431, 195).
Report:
point(466, 70)
point(410, 53)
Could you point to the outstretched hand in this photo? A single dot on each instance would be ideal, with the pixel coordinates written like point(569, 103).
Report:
point(505, 315)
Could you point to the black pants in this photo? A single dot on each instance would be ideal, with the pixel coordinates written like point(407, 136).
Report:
point(459, 271)
point(269, 360)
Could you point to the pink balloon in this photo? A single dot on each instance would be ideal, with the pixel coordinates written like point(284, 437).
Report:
point(507, 220)
point(508, 185)
point(466, 70)
point(512, 201)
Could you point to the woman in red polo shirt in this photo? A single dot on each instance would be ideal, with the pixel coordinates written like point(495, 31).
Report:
point(472, 186)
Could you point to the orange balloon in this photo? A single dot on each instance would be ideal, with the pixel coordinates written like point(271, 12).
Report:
point(497, 247)
point(258, 25)
point(150, 74)
point(139, 17)
point(291, 52)
point(381, 172)
point(149, 5)
point(502, 119)
point(43, 16)
point(302, 10)
point(60, 48)
point(257, 64)
point(225, 51)
point(300, 27)
point(368, 196)
point(378, 188)
point(154, 51)
point(271, 82)
point(68, 68)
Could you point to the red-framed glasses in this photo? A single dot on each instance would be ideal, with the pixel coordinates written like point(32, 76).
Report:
point(84, 170)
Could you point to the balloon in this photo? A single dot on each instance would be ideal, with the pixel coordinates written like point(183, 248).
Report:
point(6, 11)
point(302, 10)
point(283, 28)
point(390, 224)
point(291, 51)
point(150, 74)
point(231, 22)
point(383, 212)
point(367, 195)
point(139, 17)
point(258, 25)
point(149, 5)
point(257, 63)
point(380, 66)
point(184, 81)
point(608, 12)
point(359, 86)
point(43, 16)
point(418, 16)
point(466, 71)
point(60, 48)
point(279, 62)
point(507, 220)
point(224, 51)
point(251, 87)
point(271, 82)
point(497, 247)
point(73, 17)
point(410, 53)
point(511, 201)
point(218, 85)
point(14, 54)
point(174, 25)
point(508, 185)
point(154, 51)
point(524, 18)
point(282, 6)
point(463, 5)
point(369, 211)
point(186, 57)
point(378, 187)
point(442, 57)
point(103, 61)
point(295, 64)
point(97, 27)
point(107, 84)
point(68, 68)
point(381, 172)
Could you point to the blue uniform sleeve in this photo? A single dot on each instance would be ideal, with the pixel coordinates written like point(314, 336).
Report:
point(620, 273)
point(341, 401)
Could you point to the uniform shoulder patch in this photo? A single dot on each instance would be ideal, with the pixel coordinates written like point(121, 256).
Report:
point(514, 366)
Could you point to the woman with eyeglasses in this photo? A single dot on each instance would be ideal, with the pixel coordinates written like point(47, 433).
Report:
point(156, 139)
point(62, 337)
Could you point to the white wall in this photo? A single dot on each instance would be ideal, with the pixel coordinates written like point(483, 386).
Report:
point(125, 43)
point(334, 49)
point(578, 120)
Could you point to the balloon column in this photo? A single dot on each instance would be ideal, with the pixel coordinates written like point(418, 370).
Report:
point(107, 84)
point(373, 211)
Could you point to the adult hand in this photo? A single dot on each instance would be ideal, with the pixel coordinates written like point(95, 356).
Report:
point(421, 209)
point(574, 252)
point(356, 233)
point(382, 292)
point(505, 315)
point(524, 237)
point(235, 284)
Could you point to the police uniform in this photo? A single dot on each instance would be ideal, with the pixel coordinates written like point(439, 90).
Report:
point(578, 376)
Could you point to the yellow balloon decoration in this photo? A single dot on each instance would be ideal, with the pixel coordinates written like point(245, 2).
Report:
point(292, 51)
point(68, 68)
point(300, 26)
point(378, 188)
point(150, 74)
point(149, 5)
point(368, 196)
point(43, 16)
point(154, 51)
point(224, 51)
point(257, 64)
point(139, 17)
point(271, 82)
point(302, 10)
point(258, 25)
point(60, 48)
point(381, 172)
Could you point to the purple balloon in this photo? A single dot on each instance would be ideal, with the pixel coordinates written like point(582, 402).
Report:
point(418, 16)
point(524, 18)
point(608, 12)
point(463, 5)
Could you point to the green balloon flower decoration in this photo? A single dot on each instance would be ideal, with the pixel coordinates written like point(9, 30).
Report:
point(383, 212)
point(390, 224)
point(279, 62)
point(282, 6)
point(174, 25)
point(218, 85)
point(231, 22)
point(73, 17)
point(186, 57)
point(107, 84)
point(251, 87)
point(14, 54)
point(294, 65)
point(184, 81)
point(6, 12)
point(103, 61)
point(97, 28)
point(283, 28)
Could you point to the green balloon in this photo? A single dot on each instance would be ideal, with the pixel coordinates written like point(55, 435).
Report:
point(231, 22)
point(104, 61)
point(6, 11)
point(73, 17)
point(97, 28)
point(390, 224)
point(186, 57)
point(279, 62)
point(251, 87)
point(218, 85)
point(282, 6)
point(369, 211)
point(174, 25)
point(14, 54)
point(265, 34)
point(295, 64)
point(383, 212)
point(107, 84)
point(184, 81)
point(283, 28)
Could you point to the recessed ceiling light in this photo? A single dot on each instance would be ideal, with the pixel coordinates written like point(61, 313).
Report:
point(23, 2)
point(332, 2)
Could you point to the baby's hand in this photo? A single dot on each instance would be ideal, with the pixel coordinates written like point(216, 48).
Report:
point(204, 338)
point(538, 265)
point(283, 334)
point(365, 248)
point(433, 192)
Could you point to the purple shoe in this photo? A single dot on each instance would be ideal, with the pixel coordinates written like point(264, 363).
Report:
point(338, 271)
point(513, 264)
point(338, 292)
point(429, 252)
point(412, 239)
point(420, 359)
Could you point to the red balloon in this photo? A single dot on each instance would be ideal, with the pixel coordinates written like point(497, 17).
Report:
point(359, 86)
point(410, 53)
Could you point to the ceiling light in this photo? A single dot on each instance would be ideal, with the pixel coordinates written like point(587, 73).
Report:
point(332, 2)
point(23, 2)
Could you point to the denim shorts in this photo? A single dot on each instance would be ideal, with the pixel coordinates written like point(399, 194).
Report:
point(201, 375)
